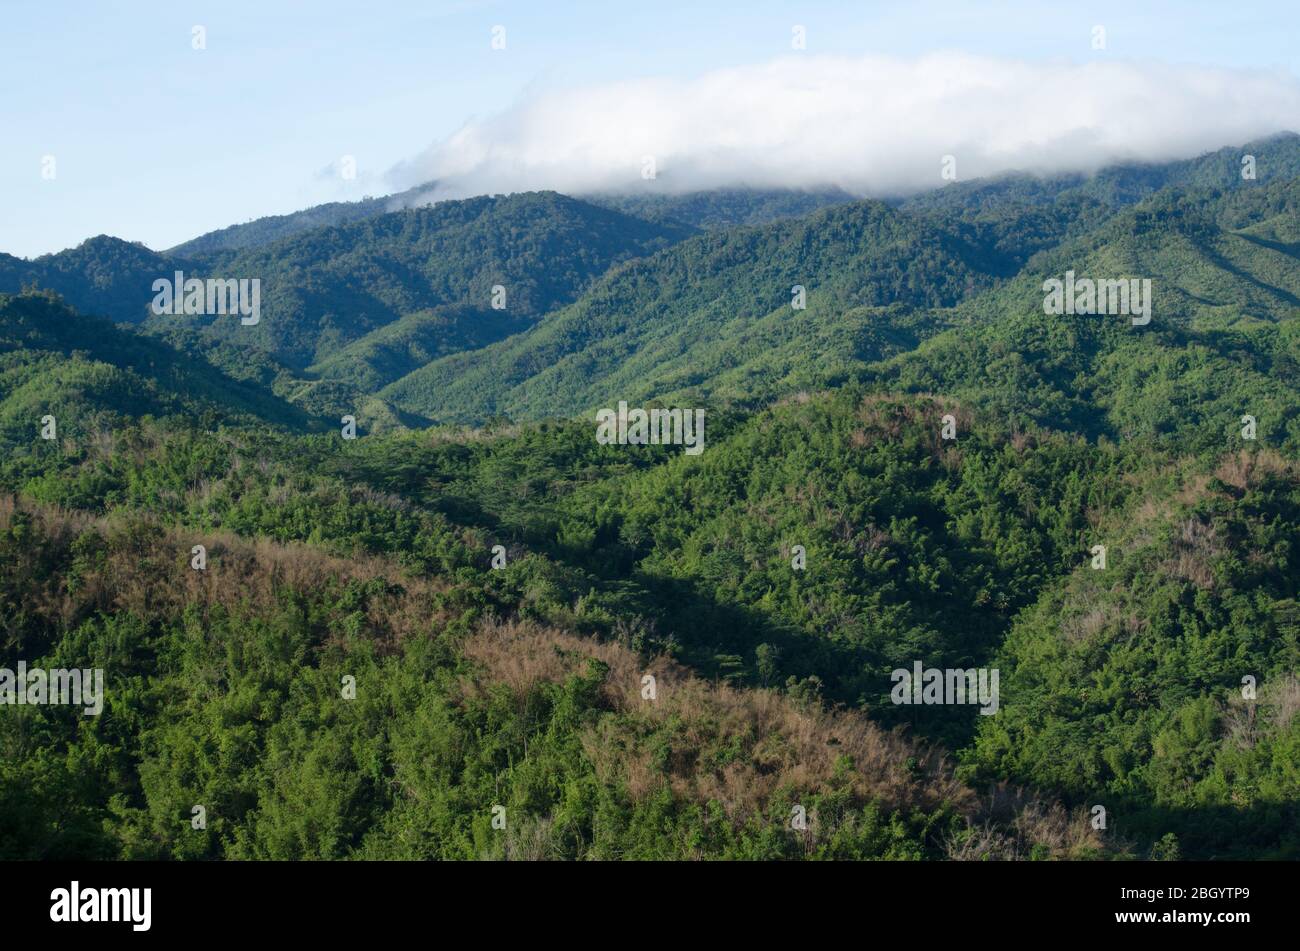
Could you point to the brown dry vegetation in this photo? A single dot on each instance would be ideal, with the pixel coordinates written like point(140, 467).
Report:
point(1248, 468)
point(1195, 543)
point(885, 416)
point(1097, 612)
point(1245, 722)
point(784, 749)
point(776, 747)
point(145, 570)
point(1195, 548)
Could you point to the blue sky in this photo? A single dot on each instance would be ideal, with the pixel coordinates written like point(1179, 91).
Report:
point(158, 142)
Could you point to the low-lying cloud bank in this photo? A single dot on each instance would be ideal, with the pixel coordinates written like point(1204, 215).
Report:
point(872, 125)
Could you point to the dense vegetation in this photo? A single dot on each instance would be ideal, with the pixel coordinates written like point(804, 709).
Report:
point(350, 676)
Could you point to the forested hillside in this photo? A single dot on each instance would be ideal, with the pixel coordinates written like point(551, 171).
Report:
point(699, 309)
point(639, 652)
point(702, 320)
point(263, 231)
point(326, 288)
point(102, 276)
point(89, 373)
point(723, 207)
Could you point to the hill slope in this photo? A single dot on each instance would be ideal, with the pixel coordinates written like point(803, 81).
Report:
point(687, 314)
point(327, 288)
point(272, 228)
point(703, 321)
point(103, 276)
point(90, 375)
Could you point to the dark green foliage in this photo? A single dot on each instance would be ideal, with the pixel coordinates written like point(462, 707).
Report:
point(103, 276)
point(325, 288)
point(723, 207)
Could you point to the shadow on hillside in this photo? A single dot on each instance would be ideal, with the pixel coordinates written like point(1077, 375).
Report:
point(722, 641)
point(1290, 250)
point(1220, 261)
point(1210, 833)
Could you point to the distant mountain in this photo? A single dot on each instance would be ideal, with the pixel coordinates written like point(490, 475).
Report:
point(1212, 256)
point(705, 210)
point(324, 289)
point(1024, 214)
point(104, 276)
point(689, 296)
point(690, 314)
point(272, 228)
point(731, 207)
point(711, 317)
point(723, 207)
point(1223, 340)
point(1275, 157)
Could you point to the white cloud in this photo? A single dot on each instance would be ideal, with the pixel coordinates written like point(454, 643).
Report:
point(872, 125)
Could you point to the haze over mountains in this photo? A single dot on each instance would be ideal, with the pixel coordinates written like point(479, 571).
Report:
point(1172, 445)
